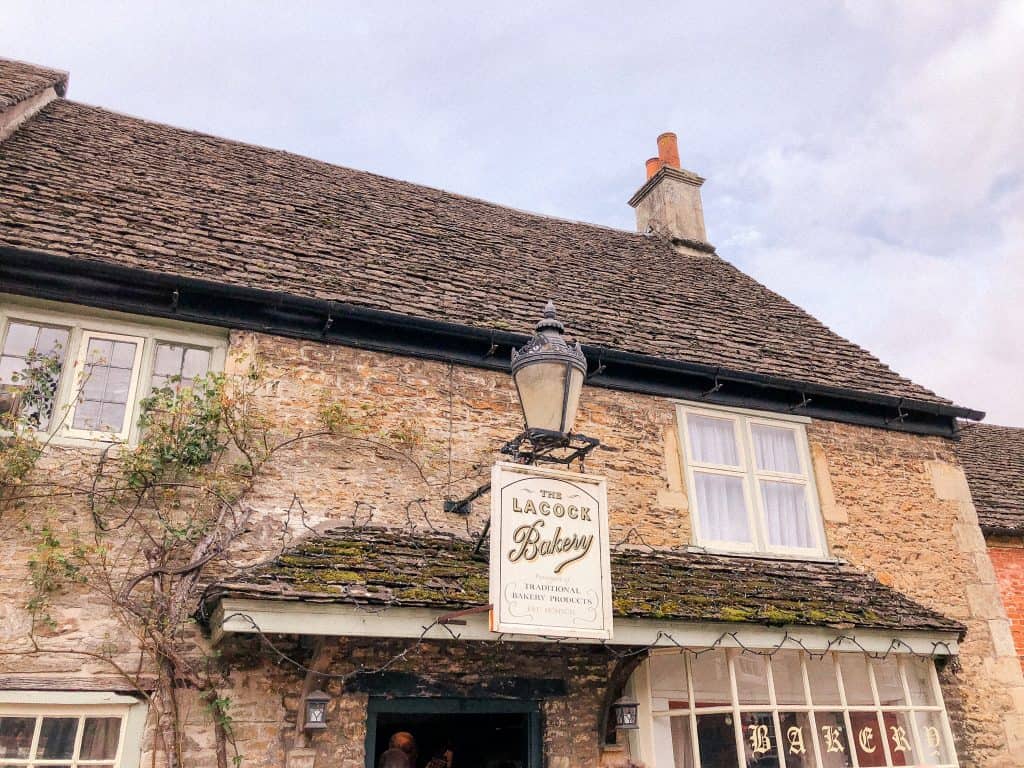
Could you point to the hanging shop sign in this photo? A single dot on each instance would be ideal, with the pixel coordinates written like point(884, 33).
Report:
point(549, 553)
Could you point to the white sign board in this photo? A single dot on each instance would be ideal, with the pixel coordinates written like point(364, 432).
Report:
point(549, 553)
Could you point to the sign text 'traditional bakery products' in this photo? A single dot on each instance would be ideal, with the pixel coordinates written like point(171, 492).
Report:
point(549, 553)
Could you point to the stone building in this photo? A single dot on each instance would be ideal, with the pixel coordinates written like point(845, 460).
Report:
point(993, 458)
point(796, 568)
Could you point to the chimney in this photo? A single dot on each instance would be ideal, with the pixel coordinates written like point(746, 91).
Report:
point(668, 204)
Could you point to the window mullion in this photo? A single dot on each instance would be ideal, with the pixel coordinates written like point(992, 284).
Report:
point(755, 511)
point(734, 692)
point(773, 703)
point(35, 738)
point(879, 717)
point(811, 719)
point(837, 668)
point(78, 741)
point(947, 730)
point(692, 699)
point(918, 744)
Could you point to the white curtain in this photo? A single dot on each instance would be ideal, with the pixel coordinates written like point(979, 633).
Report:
point(785, 511)
point(713, 440)
point(722, 507)
point(775, 449)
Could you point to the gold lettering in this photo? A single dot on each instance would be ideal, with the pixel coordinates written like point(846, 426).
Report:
point(759, 741)
point(795, 737)
point(573, 512)
point(931, 733)
point(833, 738)
point(544, 508)
point(558, 510)
point(866, 738)
point(585, 513)
point(899, 739)
point(529, 509)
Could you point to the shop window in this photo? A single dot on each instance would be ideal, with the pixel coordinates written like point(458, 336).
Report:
point(795, 710)
point(83, 377)
point(750, 483)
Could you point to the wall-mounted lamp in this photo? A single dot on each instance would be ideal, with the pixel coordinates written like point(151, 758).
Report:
point(549, 374)
point(316, 711)
point(624, 710)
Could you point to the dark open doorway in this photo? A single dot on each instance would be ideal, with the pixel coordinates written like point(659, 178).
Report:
point(482, 733)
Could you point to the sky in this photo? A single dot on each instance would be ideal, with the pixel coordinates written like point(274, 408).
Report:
point(864, 159)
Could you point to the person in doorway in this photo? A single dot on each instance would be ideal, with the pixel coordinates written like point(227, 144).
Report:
point(401, 752)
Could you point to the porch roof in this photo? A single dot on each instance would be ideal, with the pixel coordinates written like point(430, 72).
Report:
point(378, 566)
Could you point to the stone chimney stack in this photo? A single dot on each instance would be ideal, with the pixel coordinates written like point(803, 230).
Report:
point(668, 205)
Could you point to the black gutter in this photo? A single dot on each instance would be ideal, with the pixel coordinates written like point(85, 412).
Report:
point(139, 291)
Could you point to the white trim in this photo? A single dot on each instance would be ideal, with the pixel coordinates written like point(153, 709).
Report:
point(83, 322)
point(251, 615)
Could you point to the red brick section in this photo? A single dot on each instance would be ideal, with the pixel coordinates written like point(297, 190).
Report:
point(1009, 564)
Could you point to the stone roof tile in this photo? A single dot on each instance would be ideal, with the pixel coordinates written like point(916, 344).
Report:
point(382, 566)
point(87, 183)
point(993, 460)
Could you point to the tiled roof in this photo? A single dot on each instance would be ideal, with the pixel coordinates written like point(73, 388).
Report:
point(993, 459)
point(376, 565)
point(19, 81)
point(88, 183)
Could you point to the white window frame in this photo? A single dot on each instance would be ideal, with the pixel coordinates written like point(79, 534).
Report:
point(80, 704)
point(641, 686)
point(742, 421)
point(84, 323)
point(78, 376)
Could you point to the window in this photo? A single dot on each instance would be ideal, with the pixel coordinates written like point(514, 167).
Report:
point(726, 708)
point(31, 360)
point(60, 740)
point(750, 483)
point(82, 377)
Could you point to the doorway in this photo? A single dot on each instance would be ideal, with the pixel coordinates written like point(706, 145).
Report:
point(481, 733)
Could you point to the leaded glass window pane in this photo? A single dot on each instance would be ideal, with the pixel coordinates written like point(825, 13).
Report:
point(789, 680)
point(775, 449)
point(833, 740)
point(713, 441)
point(711, 686)
point(99, 738)
point(16, 736)
point(176, 365)
point(867, 739)
point(752, 679)
point(759, 740)
point(722, 507)
point(32, 360)
point(716, 736)
point(57, 738)
point(106, 384)
point(796, 738)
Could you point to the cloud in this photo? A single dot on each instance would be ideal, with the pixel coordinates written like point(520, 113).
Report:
point(864, 158)
point(903, 225)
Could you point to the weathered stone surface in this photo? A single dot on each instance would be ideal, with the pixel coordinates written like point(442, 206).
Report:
point(896, 527)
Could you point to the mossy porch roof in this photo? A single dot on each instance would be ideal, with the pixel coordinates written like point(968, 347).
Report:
point(384, 566)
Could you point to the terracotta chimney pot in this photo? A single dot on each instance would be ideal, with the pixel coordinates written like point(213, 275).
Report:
point(668, 150)
point(653, 166)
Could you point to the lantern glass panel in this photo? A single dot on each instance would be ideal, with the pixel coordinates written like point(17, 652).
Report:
point(542, 392)
point(626, 715)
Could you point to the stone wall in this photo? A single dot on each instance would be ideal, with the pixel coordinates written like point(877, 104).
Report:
point(894, 504)
point(1007, 556)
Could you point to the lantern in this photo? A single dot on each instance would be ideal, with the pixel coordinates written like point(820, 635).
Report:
point(316, 711)
point(549, 374)
point(624, 710)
